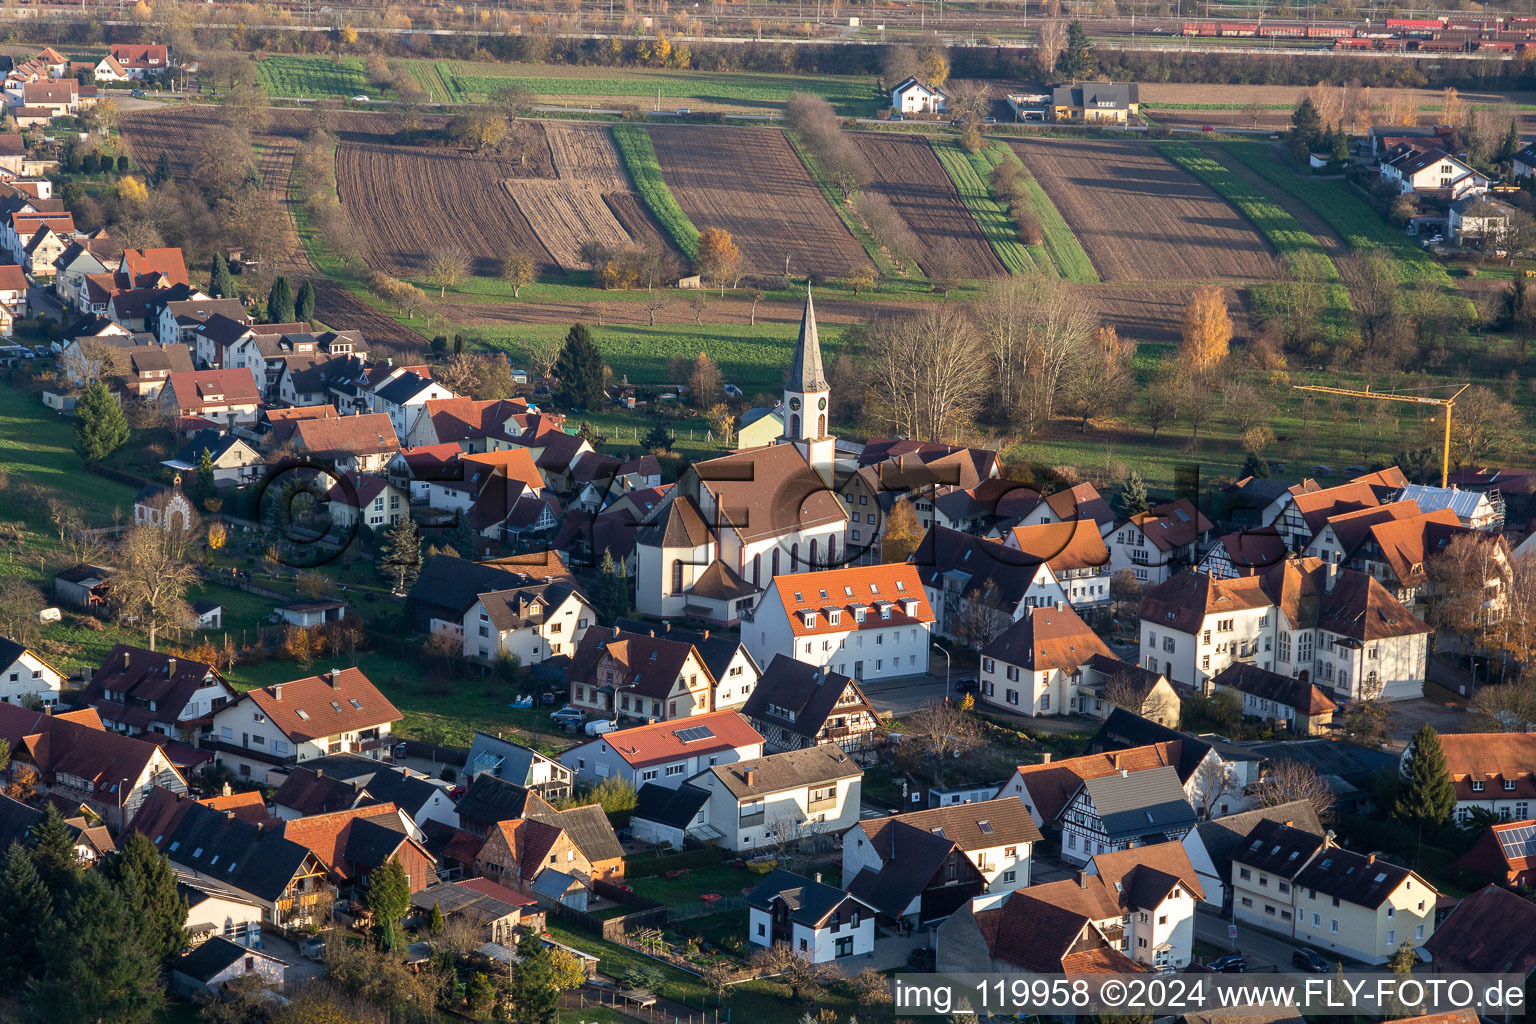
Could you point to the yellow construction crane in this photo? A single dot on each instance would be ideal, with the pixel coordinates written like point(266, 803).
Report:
point(1386, 396)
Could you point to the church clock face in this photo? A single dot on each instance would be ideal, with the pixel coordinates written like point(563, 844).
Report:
point(794, 404)
point(822, 403)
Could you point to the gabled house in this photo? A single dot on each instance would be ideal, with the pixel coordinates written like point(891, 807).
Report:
point(372, 501)
point(1488, 932)
point(1245, 553)
point(1219, 777)
point(497, 913)
point(78, 760)
point(1495, 771)
point(1159, 542)
point(489, 800)
point(1302, 511)
point(996, 835)
point(1118, 812)
point(286, 880)
point(578, 842)
point(666, 753)
point(355, 842)
point(533, 623)
point(1075, 553)
point(735, 671)
point(142, 692)
point(1154, 889)
point(353, 444)
point(337, 781)
point(18, 822)
point(911, 96)
point(977, 588)
point(816, 921)
point(1277, 699)
point(1213, 844)
point(517, 764)
point(222, 396)
point(1048, 930)
point(142, 60)
point(179, 321)
point(639, 676)
point(870, 622)
point(797, 705)
point(24, 674)
point(1505, 854)
point(786, 797)
point(1047, 788)
point(921, 876)
point(1035, 666)
point(235, 462)
point(1431, 173)
point(403, 398)
point(448, 586)
point(1096, 102)
point(285, 723)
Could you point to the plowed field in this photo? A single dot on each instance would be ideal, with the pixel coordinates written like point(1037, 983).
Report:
point(1140, 218)
point(590, 201)
point(750, 182)
point(408, 202)
point(914, 182)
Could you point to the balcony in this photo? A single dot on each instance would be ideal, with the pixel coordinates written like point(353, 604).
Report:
point(828, 804)
point(750, 820)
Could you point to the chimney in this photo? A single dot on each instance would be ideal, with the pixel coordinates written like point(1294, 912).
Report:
point(615, 630)
point(1060, 606)
point(227, 790)
point(335, 677)
point(125, 659)
point(319, 773)
point(1370, 858)
point(818, 876)
point(1082, 879)
point(1290, 824)
point(170, 667)
point(1045, 758)
point(653, 634)
point(229, 815)
point(1332, 578)
point(706, 633)
point(1125, 773)
point(751, 776)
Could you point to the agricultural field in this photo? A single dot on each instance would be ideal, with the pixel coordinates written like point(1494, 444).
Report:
point(638, 155)
point(1155, 313)
point(458, 198)
point(311, 77)
point(750, 182)
point(1188, 105)
point(1343, 209)
point(914, 182)
point(1141, 218)
point(588, 201)
point(968, 172)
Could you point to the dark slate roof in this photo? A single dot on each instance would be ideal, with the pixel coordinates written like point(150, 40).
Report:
point(912, 856)
point(10, 650)
point(236, 853)
point(1141, 802)
point(810, 692)
point(508, 761)
point(205, 962)
point(404, 388)
point(1304, 697)
point(789, 770)
point(809, 901)
point(1110, 95)
point(213, 441)
point(490, 800)
point(1489, 932)
point(1224, 836)
point(16, 822)
point(1355, 877)
point(455, 583)
point(1277, 848)
point(1348, 762)
point(715, 647)
point(308, 793)
point(672, 807)
point(372, 841)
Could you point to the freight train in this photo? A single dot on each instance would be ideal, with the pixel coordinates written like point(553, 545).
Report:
point(1447, 35)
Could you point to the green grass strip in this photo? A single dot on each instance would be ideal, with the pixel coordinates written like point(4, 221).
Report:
point(1060, 243)
point(1344, 210)
point(1272, 220)
point(883, 262)
point(639, 156)
point(968, 172)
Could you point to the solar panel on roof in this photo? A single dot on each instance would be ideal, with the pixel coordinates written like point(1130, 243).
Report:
point(694, 733)
point(1518, 842)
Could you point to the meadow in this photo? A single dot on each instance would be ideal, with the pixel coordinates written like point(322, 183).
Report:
point(968, 172)
point(313, 77)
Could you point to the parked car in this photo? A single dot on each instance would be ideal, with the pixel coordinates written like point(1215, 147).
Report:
point(684, 111)
point(1232, 963)
point(897, 117)
point(966, 684)
point(138, 92)
point(568, 714)
point(548, 698)
point(600, 727)
point(1207, 127)
point(989, 120)
point(1311, 961)
point(361, 99)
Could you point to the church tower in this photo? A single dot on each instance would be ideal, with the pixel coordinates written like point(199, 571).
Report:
point(806, 395)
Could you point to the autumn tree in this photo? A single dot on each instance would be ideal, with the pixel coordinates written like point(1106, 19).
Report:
point(518, 269)
point(1099, 381)
point(1510, 707)
point(902, 533)
point(941, 732)
point(1457, 581)
point(1288, 779)
point(1207, 330)
point(1368, 718)
point(703, 381)
point(446, 268)
point(543, 353)
point(722, 423)
point(1483, 425)
point(861, 278)
point(152, 577)
point(718, 257)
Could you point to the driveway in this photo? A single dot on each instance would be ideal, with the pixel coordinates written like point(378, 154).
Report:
point(41, 302)
point(299, 969)
point(904, 696)
point(1408, 716)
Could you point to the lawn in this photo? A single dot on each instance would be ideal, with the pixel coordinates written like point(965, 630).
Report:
point(37, 448)
point(1338, 203)
point(722, 879)
point(968, 172)
point(639, 156)
point(312, 77)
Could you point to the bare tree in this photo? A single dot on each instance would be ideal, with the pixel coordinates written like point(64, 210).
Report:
point(1368, 718)
point(543, 353)
point(805, 977)
point(1128, 689)
point(1459, 597)
point(152, 577)
point(447, 268)
point(927, 373)
point(20, 602)
point(942, 731)
point(1507, 708)
point(458, 374)
point(1287, 780)
point(85, 362)
point(1051, 40)
point(1214, 780)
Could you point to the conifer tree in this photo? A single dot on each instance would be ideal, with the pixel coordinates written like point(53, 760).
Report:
point(53, 854)
point(402, 553)
point(143, 876)
point(304, 304)
point(26, 919)
point(1428, 796)
point(220, 284)
point(100, 426)
point(95, 972)
point(163, 174)
point(579, 371)
point(280, 302)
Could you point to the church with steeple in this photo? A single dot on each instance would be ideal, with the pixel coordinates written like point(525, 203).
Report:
point(729, 525)
point(807, 397)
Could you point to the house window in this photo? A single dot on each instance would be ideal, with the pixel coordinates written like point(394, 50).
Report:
point(1244, 874)
point(1012, 697)
point(1008, 876)
point(1333, 925)
point(677, 576)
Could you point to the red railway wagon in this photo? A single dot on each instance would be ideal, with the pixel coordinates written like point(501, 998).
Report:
point(1239, 28)
point(1283, 31)
point(1199, 28)
point(1420, 23)
point(1330, 31)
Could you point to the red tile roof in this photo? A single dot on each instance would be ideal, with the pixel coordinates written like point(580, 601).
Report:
point(12, 278)
point(1491, 758)
point(200, 390)
point(1052, 785)
point(342, 700)
point(1046, 639)
point(245, 806)
point(486, 887)
point(141, 55)
point(650, 744)
point(326, 834)
point(1073, 544)
point(366, 434)
point(850, 588)
point(1172, 525)
point(167, 262)
point(513, 464)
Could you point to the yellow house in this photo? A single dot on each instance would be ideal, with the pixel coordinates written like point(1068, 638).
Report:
point(1095, 103)
point(1299, 884)
point(757, 427)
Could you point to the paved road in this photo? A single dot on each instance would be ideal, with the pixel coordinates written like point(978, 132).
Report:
point(40, 301)
point(906, 695)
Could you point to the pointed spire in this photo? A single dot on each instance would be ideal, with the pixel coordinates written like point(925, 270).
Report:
point(805, 373)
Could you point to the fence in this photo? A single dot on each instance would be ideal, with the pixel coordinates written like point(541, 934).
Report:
point(654, 1013)
point(431, 752)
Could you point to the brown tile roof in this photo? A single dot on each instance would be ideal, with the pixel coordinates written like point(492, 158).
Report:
point(1356, 605)
point(206, 389)
point(1006, 823)
point(326, 835)
point(1074, 544)
point(75, 743)
point(460, 419)
point(1135, 868)
point(342, 700)
point(677, 524)
point(247, 806)
point(645, 665)
point(650, 744)
point(1491, 758)
point(1350, 529)
point(767, 492)
point(356, 490)
point(145, 263)
point(1183, 602)
point(1047, 638)
point(141, 55)
point(309, 792)
point(1103, 960)
point(486, 887)
point(1033, 930)
point(1083, 502)
point(1489, 932)
point(512, 464)
point(1317, 506)
point(1305, 697)
point(50, 93)
point(1172, 525)
point(136, 678)
point(364, 434)
point(1406, 543)
point(536, 564)
point(1252, 551)
point(1052, 785)
point(849, 588)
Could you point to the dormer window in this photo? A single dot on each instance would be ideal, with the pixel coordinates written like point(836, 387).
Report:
point(858, 615)
point(1477, 786)
point(885, 611)
point(810, 620)
point(1509, 785)
point(834, 618)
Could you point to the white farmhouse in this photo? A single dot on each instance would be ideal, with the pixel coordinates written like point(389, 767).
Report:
point(867, 622)
point(998, 835)
point(816, 921)
point(912, 96)
point(1118, 812)
point(665, 753)
point(531, 623)
point(781, 798)
point(1159, 542)
point(1035, 666)
point(24, 674)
